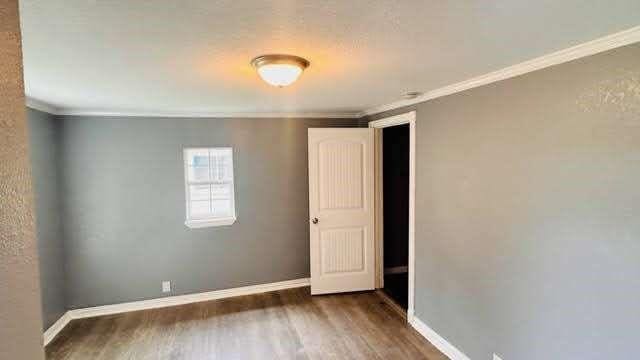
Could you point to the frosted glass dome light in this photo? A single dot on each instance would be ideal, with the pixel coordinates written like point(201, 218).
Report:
point(279, 70)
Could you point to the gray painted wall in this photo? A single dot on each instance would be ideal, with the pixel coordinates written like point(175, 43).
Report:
point(20, 315)
point(527, 227)
point(44, 139)
point(125, 208)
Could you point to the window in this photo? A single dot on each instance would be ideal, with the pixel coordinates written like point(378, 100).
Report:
point(209, 187)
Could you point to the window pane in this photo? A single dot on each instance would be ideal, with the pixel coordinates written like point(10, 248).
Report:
point(221, 208)
point(199, 192)
point(198, 173)
point(220, 191)
point(198, 157)
point(221, 165)
point(200, 209)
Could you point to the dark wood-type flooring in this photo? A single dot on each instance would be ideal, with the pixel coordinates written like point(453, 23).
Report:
point(397, 287)
point(288, 324)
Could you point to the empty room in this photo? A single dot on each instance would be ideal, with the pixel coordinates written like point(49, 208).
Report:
point(306, 179)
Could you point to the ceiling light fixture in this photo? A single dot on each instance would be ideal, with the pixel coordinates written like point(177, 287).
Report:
point(278, 69)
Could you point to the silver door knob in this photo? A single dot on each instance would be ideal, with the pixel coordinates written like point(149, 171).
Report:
point(315, 220)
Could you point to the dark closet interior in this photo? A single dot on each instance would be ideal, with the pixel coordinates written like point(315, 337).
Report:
point(395, 173)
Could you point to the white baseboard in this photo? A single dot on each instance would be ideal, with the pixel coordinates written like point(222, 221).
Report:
point(396, 270)
point(438, 341)
point(54, 329)
point(168, 301)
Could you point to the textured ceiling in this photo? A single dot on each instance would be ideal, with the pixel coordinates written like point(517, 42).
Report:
point(168, 56)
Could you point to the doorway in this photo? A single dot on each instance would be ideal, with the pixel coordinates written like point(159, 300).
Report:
point(395, 210)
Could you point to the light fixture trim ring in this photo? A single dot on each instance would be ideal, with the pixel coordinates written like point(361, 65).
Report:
point(269, 59)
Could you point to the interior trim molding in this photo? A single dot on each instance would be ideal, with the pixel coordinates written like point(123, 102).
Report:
point(229, 115)
point(405, 118)
point(54, 110)
point(41, 106)
point(185, 299)
point(438, 341)
point(54, 329)
point(156, 303)
point(588, 48)
point(401, 119)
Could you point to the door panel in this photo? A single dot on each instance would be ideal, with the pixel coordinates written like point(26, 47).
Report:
point(340, 174)
point(341, 199)
point(342, 250)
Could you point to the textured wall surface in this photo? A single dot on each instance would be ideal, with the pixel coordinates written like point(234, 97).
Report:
point(123, 188)
point(44, 138)
point(527, 226)
point(20, 315)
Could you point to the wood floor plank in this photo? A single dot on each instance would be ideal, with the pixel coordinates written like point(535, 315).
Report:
point(288, 324)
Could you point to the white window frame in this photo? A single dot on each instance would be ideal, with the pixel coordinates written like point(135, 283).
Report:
point(211, 221)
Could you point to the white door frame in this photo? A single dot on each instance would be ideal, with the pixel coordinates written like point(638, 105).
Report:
point(406, 118)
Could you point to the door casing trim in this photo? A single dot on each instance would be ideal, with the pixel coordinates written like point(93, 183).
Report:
point(405, 118)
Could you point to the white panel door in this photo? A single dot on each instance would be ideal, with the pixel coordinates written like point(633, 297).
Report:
point(341, 210)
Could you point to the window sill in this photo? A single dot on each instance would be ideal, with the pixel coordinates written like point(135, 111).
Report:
point(197, 224)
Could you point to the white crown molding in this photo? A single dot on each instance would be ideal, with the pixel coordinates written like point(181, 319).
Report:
point(436, 340)
point(234, 115)
point(41, 106)
point(52, 331)
point(593, 47)
point(46, 107)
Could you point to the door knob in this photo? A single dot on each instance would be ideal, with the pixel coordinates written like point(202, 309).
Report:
point(315, 220)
